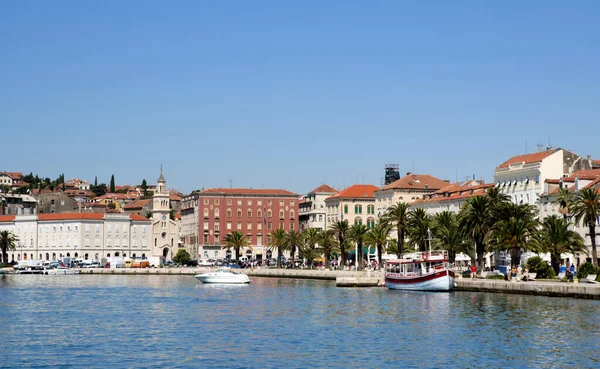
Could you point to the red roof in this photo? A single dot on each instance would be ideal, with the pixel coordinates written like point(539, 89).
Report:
point(70, 216)
point(13, 175)
point(137, 204)
point(174, 197)
point(6, 218)
point(463, 193)
point(536, 157)
point(584, 174)
point(416, 181)
point(357, 192)
point(178, 216)
point(323, 189)
point(138, 218)
point(245, 191)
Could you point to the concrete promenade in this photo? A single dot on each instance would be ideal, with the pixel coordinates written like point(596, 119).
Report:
point(374, 279)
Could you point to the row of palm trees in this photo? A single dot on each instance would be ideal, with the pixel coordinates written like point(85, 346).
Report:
point(484, 224)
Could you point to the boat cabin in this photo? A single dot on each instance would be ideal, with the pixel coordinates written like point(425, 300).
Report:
point(418, 264)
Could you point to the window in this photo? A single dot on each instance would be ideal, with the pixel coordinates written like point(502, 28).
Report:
point(249, 213)
point(76, 228)
point(206, 212)
point(346, 209)
point(269, 226)
point(249, 202)
point(280, 202)
point(258, 240)
point(358, 209)
point(216, 201)
point(216, 227)
point(292, 214)
point(292, 202)
point(259, 213)
point(281, 214)
point(269, 202)
point(144, 229)
point(370, 223)
point(357, 220)
point(239, 225)
point(206, 226)
point(259, 226)
point(320, 217)
point(291, 226)
point(239, 213)
point(216, 213)
point(205, 201)
point(249, 226)
point(269, 213)
point(259, 202)
point(228, 226)
point(228, 213)
point(68, 228)
point(239, 202)
point(228, 201)
point(205, 238)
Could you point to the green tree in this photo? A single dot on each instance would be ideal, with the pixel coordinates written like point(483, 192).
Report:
point(237, 241)
point(96, 181)
point(8, 242)
point(586, 208)
point(22, 190)
point(144, 189)
point(357, 235)
point(99, 190)
point(112, 183)
point(475, 219)
point(148, 214)
point(398, 216)
point(172, 214)
point(419, 224)
point(341, 229)
point(278, 242)
point(328, 245)
point(556, 238)
point(377, 237)
point(448, 236)
point(182, 257)
point(293, 240)
point(512, 230)
point(565, 198)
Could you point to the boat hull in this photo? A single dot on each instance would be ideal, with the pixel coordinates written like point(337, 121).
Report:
point(61, 272)
point(440, 281)
point(223, 279)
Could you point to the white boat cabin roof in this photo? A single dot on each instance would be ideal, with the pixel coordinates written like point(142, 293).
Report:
point(422, 257)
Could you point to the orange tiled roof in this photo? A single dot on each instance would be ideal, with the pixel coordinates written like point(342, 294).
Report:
point(6, 218)
point(357, 192)
point(584, 174)
point(116, 196)
point(178, 216)
point(323, 189)
point(535, 157)
point(137, 204)
point(245, 191)
point(416, 181)
point(174, 197)
point(14, 175)
point(556, 190)
point(458, 195)
point(138, 218)
point(70, 216)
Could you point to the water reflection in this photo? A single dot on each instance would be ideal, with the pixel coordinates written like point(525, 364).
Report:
point(174, 321)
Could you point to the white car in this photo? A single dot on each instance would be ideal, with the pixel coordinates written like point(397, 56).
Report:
point(205, 263)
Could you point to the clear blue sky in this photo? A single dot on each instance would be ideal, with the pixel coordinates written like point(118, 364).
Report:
point(280, 94)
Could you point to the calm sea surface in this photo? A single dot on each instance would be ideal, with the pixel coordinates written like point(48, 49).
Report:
point(174, 322)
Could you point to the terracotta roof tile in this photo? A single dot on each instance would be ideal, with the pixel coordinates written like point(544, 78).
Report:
point(357, 192)
point(245, 191)
point(6, 218)
point(416, 181)
point(137, 204)
point(535, 157)
point(138, 218)
point(13, 175)
point(174, 197)
point(324, 189)
point(70, 216)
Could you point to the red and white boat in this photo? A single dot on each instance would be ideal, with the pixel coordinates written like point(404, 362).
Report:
point(423, 271)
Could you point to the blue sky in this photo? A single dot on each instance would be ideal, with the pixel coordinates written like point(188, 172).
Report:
point(279, 94)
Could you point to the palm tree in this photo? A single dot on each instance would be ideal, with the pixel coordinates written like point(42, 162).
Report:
point(278, 241)
point(236, 240)
point(357, 235)
point(448, 235)
point(419, 224)
point(308, 252)
point(496, 196)
point(475, 219)
point(512, 232)
point(565, 198)
point(7, 243)
point(294, 239)
point(398, 216)
point(341, 228)
point(377, 236)
point(586, 207)
point(556, 238)
point(328, 244)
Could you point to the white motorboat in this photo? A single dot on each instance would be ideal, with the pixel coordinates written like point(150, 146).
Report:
point(223, 276)
point(61, 271)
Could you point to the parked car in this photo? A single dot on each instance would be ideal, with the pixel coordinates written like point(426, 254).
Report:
point(206, 262)
point(191, 263)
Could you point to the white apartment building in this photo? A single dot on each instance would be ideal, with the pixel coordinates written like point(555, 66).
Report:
point(522, 177)
point(452, 197)
point(79, 235)
point(312, 208)
point(409, 188)
point(190, 225)
point(356, 204)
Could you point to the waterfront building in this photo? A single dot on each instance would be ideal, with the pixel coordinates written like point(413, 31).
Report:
point(451, 197)
point(549, 205)
point(409, 188)
point(255, 212)
point(356, 204)
point(165, 231)
point(78, 235)
point(190, 225)
point(312, 208)
point(522, 177)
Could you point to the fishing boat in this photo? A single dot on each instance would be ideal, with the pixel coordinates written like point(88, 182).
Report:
point(421, 271)
point(223, 276)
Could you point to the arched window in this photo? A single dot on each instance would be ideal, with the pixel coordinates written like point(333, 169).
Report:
point(269, 213)
point(239, 213)
point(47, 256)
point(358, 220)
point(370, 222)
point(228, 213)
point(86, 256)
point(249, 213)
point(346, 209)
point(259, 213)
point(358, 209)
point(281, 214)
point(108, 255)
point(206, 212)
point(292, 214)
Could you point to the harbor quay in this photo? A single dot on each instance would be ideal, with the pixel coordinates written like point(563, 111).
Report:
point(376, 279)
